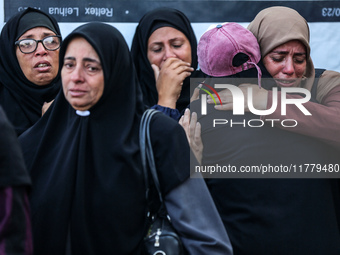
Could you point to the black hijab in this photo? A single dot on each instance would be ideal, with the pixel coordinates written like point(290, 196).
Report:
point(12, 167)
point(21, 99)
point(86, 170)
point(161, 17)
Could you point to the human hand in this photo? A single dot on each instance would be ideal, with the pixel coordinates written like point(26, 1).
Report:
point(193, 131)
point(169, 80)
point(196, 93)
point(259, 96)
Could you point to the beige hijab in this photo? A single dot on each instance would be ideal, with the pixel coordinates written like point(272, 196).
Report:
point(277, 25)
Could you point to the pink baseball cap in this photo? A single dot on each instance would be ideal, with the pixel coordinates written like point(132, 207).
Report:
point(218, 46)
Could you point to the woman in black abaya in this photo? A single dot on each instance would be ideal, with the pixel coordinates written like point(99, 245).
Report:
point(15, 223)
point(25, 87)
point(83, 155)
point(149, 25)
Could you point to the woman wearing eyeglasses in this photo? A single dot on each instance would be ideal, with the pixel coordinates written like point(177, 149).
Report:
point(29, 59)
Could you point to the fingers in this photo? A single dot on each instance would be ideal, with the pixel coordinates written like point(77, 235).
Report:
point(155, 69)
point(173, 71)
point(193, 132)
point(198, 150)
point(212, 100)
point(224, 107)
point(189, 123)
point(178, 66)
point(175, 63)
point(192, 125)
point(225, 96)
point(198, 138)
point(169, 80)
point(184, 121)
point(181, 121)
point(195, 95)
point(196, 143)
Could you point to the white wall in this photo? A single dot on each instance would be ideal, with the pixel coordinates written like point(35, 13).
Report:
point(2, 7)
point(325, 38)
point(325, 45)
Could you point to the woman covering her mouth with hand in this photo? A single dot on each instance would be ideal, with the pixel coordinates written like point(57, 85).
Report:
point(29, 50)
point(164, 50)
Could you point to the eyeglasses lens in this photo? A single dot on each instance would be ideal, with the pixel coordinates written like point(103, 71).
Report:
point(30, 45)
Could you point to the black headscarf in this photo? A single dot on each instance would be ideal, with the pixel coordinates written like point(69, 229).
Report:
point(21, 99)
point(12, 167)
point(32, 20)
point(160, 17)
point(87, 171)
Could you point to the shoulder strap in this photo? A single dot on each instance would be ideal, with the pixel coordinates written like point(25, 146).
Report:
point(318, 73)
point(148, 161)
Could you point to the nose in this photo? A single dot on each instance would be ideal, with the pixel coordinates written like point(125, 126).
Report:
point(289, 68)
point(77, 75)
point(40, 49)
point(168, 53)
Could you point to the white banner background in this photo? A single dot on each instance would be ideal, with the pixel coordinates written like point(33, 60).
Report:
point(325, 38)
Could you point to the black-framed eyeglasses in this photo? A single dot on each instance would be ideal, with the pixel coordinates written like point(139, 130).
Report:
point(30, 45)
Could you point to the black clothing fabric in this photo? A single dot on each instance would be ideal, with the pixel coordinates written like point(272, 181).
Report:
point(87, 170)
point(15, 222)
point(13, 171)
point(161, 17)
point(271, 216)
point(21, 99)
point(32, 20)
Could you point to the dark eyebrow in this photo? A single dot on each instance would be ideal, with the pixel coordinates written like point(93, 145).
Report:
point(91, 60)
point(69, 58)
point(300, 54)
point(45, 34)
point(280, 52)
point(155, 43)
point(177, 38)
point(171, 40)
point(84, 59)
point(286, 52)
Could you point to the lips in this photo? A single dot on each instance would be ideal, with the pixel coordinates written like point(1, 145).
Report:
point(42, 66)
point(285, 82)
point(77, 93)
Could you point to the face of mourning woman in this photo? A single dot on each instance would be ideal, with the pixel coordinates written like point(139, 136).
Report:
point(168, 42)
point(40, 66)
point(287, 63)
point(82, 75)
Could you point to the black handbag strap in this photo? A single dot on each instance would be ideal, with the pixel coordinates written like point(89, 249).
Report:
point(148, 161)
